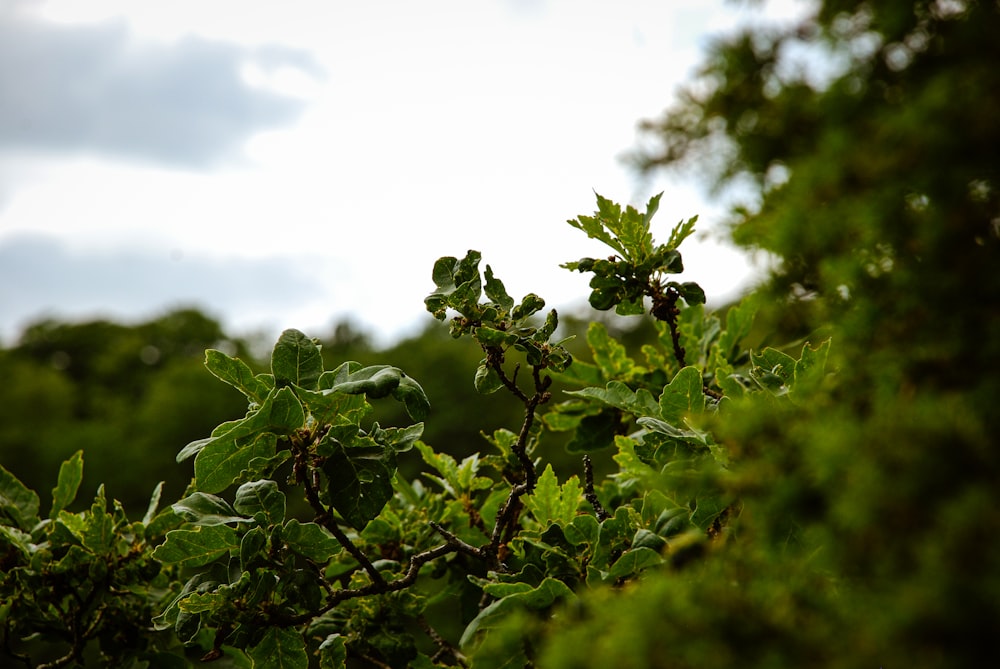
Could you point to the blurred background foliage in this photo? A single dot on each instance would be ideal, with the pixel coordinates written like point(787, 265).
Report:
point(131, 396)
point(862, 145)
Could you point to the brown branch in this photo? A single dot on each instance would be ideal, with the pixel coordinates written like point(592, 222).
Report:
point(665, 309)
point(459, 545)
point(445, 649)
point(405, 581)
point(325, 518)
point(588, 491)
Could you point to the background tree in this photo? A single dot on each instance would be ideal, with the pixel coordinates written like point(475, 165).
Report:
point(867, 138)
point(109, 389)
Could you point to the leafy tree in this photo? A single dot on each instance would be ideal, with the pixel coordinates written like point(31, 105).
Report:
point(382, 570)
point(868, 536)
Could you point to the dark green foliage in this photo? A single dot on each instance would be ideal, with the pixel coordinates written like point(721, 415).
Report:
point(359, 562)
point(870, 511)
point(828, 502)
point(112, 391)
point(80, 588)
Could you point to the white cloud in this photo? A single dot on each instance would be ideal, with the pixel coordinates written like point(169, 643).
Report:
point(436, 128)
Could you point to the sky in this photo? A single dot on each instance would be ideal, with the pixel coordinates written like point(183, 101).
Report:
point(301, 163)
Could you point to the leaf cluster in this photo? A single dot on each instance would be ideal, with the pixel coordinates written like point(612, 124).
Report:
point(636, 270)
point(384, 571)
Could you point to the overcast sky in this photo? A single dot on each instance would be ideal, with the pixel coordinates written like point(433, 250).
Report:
point(291, 164)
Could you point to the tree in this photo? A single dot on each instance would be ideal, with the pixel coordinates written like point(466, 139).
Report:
point(870, 523)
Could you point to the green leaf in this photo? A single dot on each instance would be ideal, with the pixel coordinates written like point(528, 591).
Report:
point(221, 462)
point(630, 464)
point(595, 432)
point(692, 293)
point(261, 497)
point(681, 231)
point(17, 502)
point(633, 231)
point(620, 396)
point(310, 540)
point(772, 369)
point(414, 400)
point(584, 529)
point(399, 439)
point(443, 464)
point(68, 483)
point(333, 653)
point(458, 286)
point(609, 355)
point(515, 596)
point(98, 525)
point(490, 337)
point(496, 292)
point(376, 381)
point(530, 305)
point(594, 228)
point(253, 549)
point(684, 395)
point(739, 320)
point(707, 509)
point(204, 509)
point(280, 648)
point(296, 360)
point(197, 546)
point(810, 368)
point(633, 561)
point(203, 602)
point(360, 480)
point(615, 535)
point(154, 504)
point(552, 503)
point(238, 374)
point(630, 307)
point(330, 407)
point(221, 459)
point(487, 380)
point(581, 373)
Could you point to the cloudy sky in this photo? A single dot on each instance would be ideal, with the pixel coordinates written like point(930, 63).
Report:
point(292, 164)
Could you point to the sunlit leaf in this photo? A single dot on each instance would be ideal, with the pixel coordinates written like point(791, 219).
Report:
point(68, 483)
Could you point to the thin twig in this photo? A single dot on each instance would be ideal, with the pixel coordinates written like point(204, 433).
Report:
point(325, 518)
point(588, 491)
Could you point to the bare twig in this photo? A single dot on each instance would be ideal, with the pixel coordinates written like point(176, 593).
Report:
point(325, 518)
point(588, 491)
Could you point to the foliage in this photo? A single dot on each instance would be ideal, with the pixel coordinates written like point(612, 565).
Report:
point(366, 571)
point(80, 587)
point(830, 502)
point(99, 386)
point(870, 516)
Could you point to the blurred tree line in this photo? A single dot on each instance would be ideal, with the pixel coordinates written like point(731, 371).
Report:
point(131, 396)
point(866, 139)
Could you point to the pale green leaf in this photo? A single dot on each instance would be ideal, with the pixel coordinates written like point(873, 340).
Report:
point(280, 648)
point(552, 503)
point(518, 596)
point(261, 497)
point(204, 509)
point(296, 360)
point(683, 396)
point(310, 540)
point(238, 374)
point(17, 501)
point(68, 483)
point(197, 546)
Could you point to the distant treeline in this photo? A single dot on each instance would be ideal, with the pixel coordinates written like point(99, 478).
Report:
point(131, 396)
